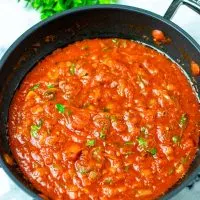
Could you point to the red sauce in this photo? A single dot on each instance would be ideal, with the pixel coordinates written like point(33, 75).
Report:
point(104, 119)
point(195, 69)
point(159, 37)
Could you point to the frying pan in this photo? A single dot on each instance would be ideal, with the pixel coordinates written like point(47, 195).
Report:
point(92, 22)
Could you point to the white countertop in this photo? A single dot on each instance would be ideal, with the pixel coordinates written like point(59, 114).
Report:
point(15, 19)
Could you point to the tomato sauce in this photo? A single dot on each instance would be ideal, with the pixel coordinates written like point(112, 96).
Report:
point(159, 37)
point(104, 119)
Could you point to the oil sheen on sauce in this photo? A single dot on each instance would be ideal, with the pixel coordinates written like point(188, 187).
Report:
point(104, 119)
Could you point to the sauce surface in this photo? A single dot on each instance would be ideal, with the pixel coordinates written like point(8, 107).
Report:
point(104, 119)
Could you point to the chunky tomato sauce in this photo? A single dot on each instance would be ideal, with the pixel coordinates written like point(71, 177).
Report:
point(104, 119)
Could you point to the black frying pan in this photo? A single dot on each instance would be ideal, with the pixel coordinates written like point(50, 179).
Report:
point(91, 22)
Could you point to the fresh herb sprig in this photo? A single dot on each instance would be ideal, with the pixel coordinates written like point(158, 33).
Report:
point(48, 8)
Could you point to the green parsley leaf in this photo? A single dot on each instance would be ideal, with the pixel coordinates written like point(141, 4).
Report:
point(142, 142)
point(36, 86)
point(90, 143)
point(48, 8)
point(176, 139)
point(34, 130)
point(36, 4)
point(59, 6)
point(153, 151)
point(49, 86)
point(183, 121)
point(46, 13)
point(72, 69)
point(102, 133)
point(60, 108)
point(83, 171)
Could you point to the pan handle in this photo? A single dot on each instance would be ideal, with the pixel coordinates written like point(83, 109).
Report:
point(193, 4)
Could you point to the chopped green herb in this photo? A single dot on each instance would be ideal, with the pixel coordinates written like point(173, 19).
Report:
point(128, 143)
point(90, 143)
point(72, 69)
point(183, 121)
point(102, 133)
point(176, 139)
point(153, 151)
point(108, 181)
point(142, 142)
point(83, 171)
point(49, 86)
point(36, 127)
point(144, 130)
point(47, 8)
point(36, 86)
point(34, 130)
point(60, 108)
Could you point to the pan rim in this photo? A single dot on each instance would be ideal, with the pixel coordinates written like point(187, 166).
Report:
point(96, 7)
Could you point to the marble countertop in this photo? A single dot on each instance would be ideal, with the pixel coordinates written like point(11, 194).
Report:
point(15, 19)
